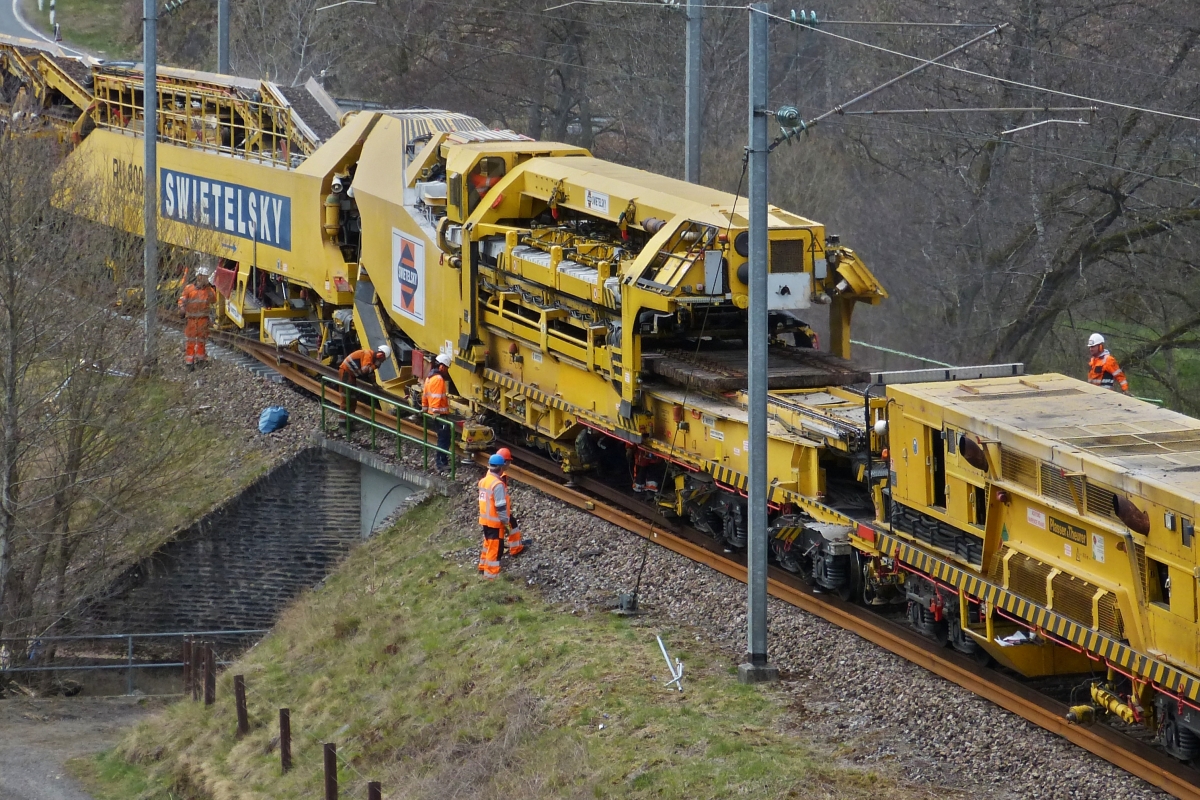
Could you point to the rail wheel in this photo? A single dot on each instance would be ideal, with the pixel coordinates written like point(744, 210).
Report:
point(854, 589)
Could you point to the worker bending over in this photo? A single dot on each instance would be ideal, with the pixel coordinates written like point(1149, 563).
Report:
point(196, 304)
point(493, 516)
point(362, 364)
point(1103, 369)
point(435, 401)
point(515, 542)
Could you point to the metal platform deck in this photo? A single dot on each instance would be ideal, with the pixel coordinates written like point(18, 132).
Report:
point(724, 370)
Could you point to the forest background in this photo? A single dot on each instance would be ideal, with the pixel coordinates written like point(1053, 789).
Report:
point(994, 248)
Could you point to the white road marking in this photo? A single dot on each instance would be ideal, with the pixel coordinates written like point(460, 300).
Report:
point(16, 9)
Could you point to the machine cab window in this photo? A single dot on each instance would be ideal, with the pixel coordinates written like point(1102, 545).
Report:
point(486, 174)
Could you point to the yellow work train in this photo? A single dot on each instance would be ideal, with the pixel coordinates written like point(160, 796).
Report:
point(599, 313)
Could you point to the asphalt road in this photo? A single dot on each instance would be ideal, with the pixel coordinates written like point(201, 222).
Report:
point(12, 25)
point(38, 736)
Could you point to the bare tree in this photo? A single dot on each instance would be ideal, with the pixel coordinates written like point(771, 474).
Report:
point(996, 247)
point(88, 453)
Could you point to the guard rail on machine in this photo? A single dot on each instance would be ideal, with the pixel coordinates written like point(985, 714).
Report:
point(349, 411)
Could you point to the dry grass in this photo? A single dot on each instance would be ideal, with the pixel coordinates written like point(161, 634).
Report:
point(444, 686)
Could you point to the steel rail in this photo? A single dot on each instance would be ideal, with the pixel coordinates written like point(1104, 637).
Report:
point(1131, 755)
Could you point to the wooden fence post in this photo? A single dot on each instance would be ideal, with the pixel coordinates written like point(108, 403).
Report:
point(331, 788)
point(285, 739)
point(239, 698)
point(186, 658)
point(210, 675)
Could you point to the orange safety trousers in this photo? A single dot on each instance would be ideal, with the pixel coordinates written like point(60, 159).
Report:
point(195, 335)
point(489, 552)
point(196, 305)
point(514, 543)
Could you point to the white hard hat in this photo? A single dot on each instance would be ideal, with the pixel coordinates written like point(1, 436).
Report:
point(386, 350)
point(443, 359)
point(1095, 339)
point(205, 271)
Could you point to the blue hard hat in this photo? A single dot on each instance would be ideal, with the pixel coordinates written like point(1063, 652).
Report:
point(496, 460)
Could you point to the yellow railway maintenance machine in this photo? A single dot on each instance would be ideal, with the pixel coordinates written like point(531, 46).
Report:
point(599, 313)
point(1052, 524)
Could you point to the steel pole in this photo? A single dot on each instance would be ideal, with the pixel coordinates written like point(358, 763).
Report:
point(223, 37)
point(694, 77)
point(150, 136)
point(756, 670)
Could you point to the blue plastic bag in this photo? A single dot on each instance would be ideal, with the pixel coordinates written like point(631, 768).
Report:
point(272, 419)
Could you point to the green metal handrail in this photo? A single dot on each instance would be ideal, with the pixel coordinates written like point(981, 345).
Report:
point(351, 415)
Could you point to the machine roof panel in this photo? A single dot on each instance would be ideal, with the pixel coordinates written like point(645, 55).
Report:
point(669, 189)
point(1127, 437)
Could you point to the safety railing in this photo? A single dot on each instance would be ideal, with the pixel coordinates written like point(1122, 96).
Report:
point(202, 116)
point(28, 656)
point(349, 397)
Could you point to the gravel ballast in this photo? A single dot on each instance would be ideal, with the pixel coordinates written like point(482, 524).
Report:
point(869, 707)
point(875, 709)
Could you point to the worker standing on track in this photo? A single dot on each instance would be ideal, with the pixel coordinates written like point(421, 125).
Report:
point(435, 401)
point(493, 516)
point(1103, 369)
point(515, 542)
point(196, 305)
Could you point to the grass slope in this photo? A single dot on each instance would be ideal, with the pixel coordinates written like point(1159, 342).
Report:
point(440, 684)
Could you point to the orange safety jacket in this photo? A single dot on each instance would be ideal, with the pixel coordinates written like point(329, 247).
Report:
point(493, 502)
point(197, 305)
point(434, 399)
point(1103, 370)
point(484, 183)
point(196, 302)
point(359, 363)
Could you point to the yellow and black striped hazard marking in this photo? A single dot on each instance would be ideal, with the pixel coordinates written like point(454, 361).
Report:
point(1094, 642)
point(788, 534)
point(727, 476)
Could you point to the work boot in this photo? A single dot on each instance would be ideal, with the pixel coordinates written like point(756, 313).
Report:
point(191, 367)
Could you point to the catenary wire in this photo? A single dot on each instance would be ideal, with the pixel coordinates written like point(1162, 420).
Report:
point(969, 134)
point(985, 76)
point(983, 137)
point(681, 7)
point(1105, 64)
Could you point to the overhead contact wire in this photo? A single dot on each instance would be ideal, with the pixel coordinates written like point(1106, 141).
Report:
point(984, 75)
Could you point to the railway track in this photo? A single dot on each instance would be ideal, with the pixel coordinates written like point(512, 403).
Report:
point(601, 500)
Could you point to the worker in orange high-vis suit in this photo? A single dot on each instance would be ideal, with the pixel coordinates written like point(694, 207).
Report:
point(435, 401)
point(362, 364)
point(1103, 369)
point(515, 543)
point(196, 305)
point(493, 516)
